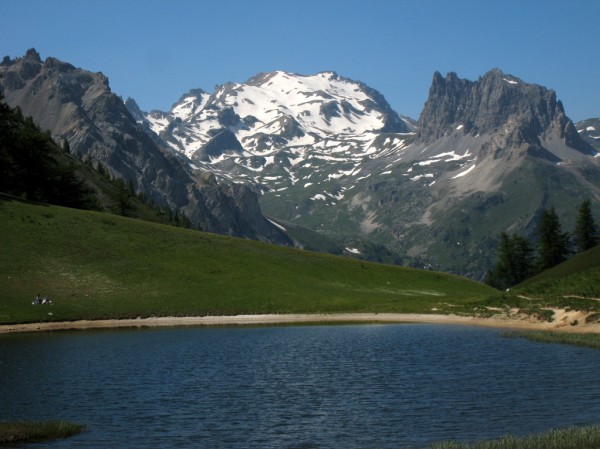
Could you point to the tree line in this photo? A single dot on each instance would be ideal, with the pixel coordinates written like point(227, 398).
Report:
point(519, 258)
point(124, 195)
point(34, 167)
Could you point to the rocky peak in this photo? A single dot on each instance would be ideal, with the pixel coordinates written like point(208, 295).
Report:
point(443, 107)
point(134, 109)
point(32, 55)
point(78, 106)
point(495, 103)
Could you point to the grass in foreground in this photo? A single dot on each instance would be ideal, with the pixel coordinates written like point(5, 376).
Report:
point(569, 438)
point(587, 340)
point(101, 266)
point(27, 432)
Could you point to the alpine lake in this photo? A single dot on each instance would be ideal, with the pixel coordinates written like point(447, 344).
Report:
point(325, 386)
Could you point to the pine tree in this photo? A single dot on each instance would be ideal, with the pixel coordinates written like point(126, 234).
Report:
point(553, 245)
point(10, 176)
point(585, 231)
point(124, 197)
point(38, 159)
point(515, 262)
point(33, 166)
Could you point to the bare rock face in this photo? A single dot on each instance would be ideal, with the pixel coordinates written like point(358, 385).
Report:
point(79, 107)
point(496, 104)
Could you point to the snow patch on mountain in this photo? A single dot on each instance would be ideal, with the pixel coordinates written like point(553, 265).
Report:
point(466, 172)
point(279, 129)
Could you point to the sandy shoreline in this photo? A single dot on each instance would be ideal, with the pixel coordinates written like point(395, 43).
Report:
point(241, 320)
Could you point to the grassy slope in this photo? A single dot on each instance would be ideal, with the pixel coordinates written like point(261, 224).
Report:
point(577, 276)
point(572, 285)
point(96, 265)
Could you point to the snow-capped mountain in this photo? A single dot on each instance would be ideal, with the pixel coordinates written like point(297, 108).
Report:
point(329, 153)
point(279, 129)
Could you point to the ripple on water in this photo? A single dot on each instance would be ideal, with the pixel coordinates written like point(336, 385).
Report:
point(296, 386)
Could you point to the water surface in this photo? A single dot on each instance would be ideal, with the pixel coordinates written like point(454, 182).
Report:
point(355, 386)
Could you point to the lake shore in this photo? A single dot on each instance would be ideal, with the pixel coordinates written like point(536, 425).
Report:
point(565, 324)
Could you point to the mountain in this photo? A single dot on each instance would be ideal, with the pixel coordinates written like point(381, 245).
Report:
point(266, 131)
point(489, 156)
point(300, 141)
point(78, 106)
point(329, 153)
point(589, 130)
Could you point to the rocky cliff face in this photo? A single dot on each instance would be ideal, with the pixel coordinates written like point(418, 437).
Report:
point(79, 107)
point(496, 103)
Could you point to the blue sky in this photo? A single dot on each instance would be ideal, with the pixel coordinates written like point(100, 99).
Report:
point(156, 50)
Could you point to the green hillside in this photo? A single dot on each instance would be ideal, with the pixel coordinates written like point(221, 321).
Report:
point(571, 285)
point(578, 276)
point(96, 265)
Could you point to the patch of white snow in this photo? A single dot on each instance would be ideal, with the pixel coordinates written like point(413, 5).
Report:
point(426, 175)
point(277, 225)
point(461, 174)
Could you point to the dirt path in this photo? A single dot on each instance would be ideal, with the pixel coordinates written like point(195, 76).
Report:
point(238, 320)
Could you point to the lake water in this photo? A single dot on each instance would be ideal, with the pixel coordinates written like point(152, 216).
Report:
point(354, 386)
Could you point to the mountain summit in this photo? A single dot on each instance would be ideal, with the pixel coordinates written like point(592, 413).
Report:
point(78, 106)
point(261, 130)
point(526, 114)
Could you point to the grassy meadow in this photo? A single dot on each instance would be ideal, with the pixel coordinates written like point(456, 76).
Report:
point(95, 265)
point(576, 278)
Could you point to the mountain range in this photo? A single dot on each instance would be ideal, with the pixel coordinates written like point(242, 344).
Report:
point(329, 154)
point(78, 106)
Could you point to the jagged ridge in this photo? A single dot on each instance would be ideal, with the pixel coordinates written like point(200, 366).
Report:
point(78, 106)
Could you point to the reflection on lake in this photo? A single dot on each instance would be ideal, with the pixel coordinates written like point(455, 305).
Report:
point(359, 386)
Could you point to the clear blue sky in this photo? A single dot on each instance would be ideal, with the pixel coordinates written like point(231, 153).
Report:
point(156, 50)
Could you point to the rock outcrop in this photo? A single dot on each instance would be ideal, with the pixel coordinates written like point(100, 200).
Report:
point(78, 106)
point(496, 103)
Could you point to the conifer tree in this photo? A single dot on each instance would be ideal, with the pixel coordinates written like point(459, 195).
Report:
point(553, 247)
point(10, 178)
point(515, 262)
point(586, 236)
point(124, 197)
